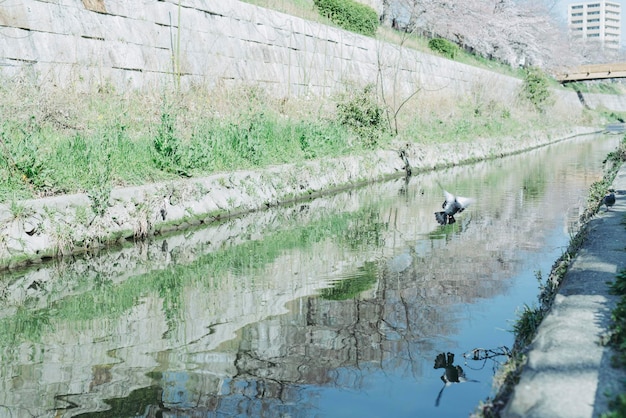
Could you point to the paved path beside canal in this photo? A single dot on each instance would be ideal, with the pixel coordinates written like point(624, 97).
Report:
point(569, 373)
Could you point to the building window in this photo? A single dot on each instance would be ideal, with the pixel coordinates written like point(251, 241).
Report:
point(593, 20)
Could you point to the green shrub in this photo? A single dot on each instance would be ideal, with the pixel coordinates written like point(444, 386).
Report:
point(536, 88)
point(23, 152)
point(349, 15)
point(444, 47)
point(166, 145)
point(361, 113)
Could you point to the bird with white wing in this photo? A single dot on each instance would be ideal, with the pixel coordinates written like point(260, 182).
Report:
point(451, 206)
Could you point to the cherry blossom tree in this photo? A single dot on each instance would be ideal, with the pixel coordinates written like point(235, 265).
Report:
point(516, 32)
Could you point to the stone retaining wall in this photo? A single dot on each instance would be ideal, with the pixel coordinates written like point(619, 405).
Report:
point(155, 44)
point(609, 101)
point(158, 44)
point(130, 44)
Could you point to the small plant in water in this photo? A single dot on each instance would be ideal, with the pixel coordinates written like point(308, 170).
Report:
point(527, 323)
point(63, 240)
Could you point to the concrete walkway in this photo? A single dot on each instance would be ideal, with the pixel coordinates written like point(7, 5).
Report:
point(568, 373)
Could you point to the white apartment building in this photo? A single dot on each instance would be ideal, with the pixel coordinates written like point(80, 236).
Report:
point(596, 20)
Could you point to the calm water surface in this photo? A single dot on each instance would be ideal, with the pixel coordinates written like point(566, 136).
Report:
point(343, 306)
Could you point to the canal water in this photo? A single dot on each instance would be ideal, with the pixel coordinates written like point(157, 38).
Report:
point(355, 304)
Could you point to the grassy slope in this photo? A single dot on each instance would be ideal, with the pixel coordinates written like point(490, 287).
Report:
point(56, 142)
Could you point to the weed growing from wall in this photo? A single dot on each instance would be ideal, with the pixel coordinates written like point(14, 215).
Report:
point(19, 211)
point(100, 161)
point(361, 113)
point(99, 196)
point(62, 238)
point(166, 144)
point(536, 89)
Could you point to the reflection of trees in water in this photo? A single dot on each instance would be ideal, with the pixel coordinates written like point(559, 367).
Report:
point(282, 362)
point(250, 397)
point(452, 373)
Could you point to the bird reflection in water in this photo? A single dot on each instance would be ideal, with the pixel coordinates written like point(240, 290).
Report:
point(451, 373)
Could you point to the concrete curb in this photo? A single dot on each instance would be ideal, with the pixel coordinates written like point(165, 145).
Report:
point(568, 370)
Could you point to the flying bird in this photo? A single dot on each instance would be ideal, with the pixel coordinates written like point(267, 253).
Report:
point(609, 199)
point(451, 206)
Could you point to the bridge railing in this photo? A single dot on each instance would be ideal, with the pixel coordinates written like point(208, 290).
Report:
point(593, 72)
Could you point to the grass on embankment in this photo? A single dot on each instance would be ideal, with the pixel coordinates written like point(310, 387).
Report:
point(59, 142)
